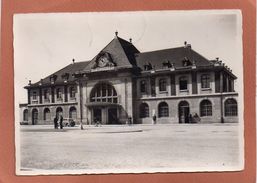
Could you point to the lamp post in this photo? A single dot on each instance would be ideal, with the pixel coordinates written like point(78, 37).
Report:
point(221, 97)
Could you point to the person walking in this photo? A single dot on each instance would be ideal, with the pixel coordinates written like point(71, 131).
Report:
point(61, 120)
point(56, 122)
point(154, 119)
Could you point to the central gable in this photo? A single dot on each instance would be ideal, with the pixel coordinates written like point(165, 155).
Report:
point(117, 54)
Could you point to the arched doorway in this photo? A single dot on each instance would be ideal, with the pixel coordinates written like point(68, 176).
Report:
point(47, 114)
point(183, 112)
point(73, 113)
point(34, 116)
point(25, 115)
point(144, 110)
point(59, 111)
point(104, 104)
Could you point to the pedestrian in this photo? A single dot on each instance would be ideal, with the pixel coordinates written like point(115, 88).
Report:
point(129, 120)
point(56, 122)
point(61, 120)
point(196, 117)
point(154, 119)
point(96, 122)
point(190, 118)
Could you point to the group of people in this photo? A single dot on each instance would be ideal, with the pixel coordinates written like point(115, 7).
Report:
point(97, 122)
point(194, 118)
point(190, 119)
point(58, 121)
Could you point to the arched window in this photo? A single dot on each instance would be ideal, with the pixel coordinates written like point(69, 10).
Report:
point(104, 92)
point(163, 110)
point(205, 81)
point(162, 84)
point(205, 108)
point(47, 114)
point(72, 92)
point(231, 107)
point(59, 111)
point(183, 111)
point(25, 115)
point(144, 110)
point(183, 83)
point(143, 86)
point(73, 113)
point(34, 116)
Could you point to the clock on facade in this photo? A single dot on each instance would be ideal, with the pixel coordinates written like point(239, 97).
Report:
point(103, 61)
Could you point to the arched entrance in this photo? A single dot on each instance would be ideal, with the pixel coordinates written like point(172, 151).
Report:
point(25, 115)
point(47, 114)
point(104, 104)
point(59, 111)
point(34, 116)
point(184, 112)
point(73, 113)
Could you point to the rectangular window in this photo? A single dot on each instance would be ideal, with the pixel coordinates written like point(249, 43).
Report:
point(34, 95)
point(72, 92)
point(205, 81)
point(153, 93)
point(46, 94)
point(59, 93)
point(183, 83)
point(162, 85)
point(143, 86)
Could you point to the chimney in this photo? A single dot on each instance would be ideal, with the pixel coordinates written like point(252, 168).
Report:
point(116, 33)
point(41, 81)
point(185, 43)
point(73, 60)
point(130, 40)
point(217, 58)
point(29, 82)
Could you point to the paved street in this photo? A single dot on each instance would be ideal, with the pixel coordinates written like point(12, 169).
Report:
point(139, 148)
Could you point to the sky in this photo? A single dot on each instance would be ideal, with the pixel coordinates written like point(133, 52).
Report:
point(47, 42)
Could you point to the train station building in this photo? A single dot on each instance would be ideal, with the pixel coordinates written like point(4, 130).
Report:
point(176, 85)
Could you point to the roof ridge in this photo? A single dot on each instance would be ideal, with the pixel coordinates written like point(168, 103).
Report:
point(163, 49)
point(76, 62)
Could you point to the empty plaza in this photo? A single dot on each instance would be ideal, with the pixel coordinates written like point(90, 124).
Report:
point(139, 148)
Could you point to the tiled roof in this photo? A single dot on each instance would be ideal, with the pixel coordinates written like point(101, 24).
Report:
point(121, 51)
point(174, 56)
point(125, 55)
point(63, 74)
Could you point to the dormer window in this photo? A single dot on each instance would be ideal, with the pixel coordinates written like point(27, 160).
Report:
point(186, 62)
point(65, 77)
point(166, 64)
point(148, 67)
point(53, 79)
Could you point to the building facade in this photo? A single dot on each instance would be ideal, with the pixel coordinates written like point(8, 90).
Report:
point(176, 85)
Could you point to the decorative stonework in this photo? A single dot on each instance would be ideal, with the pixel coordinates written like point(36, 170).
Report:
point(103, 60)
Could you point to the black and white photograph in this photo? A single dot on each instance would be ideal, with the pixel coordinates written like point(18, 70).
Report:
point(128, 92)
